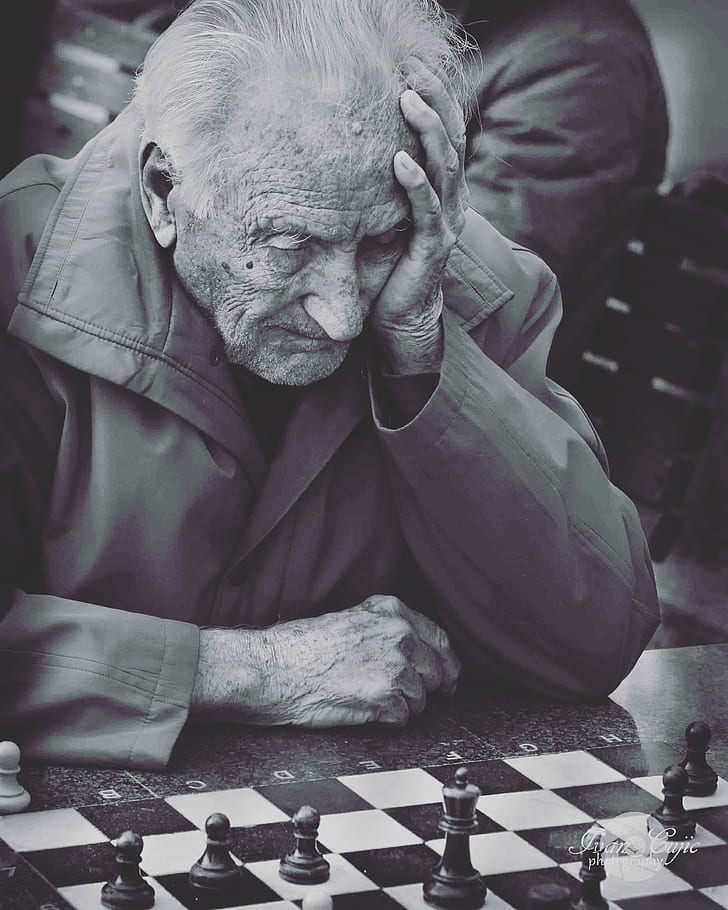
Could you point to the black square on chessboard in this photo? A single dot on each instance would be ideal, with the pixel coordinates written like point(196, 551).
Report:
point(363, 900)
point(261, 842)
point(637, 760)
point(395, 865)
point(326, 796)
point(705, 868)
point(610, 799)
point(513, 887)
point(678, 900)
point(25, 888)
point(715, 819)
point(250, 890)
point(494, 776)
point(423, 819)
point(143, 816)
point(561, 843)
point(64, 866)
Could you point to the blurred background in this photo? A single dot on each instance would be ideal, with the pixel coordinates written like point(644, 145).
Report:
point(651, 369)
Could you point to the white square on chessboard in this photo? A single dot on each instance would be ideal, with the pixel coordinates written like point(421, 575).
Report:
point(718, 893)
point(501, 851)
point(344, 878)
point(410, 897)
point(45, 830)
point(531, 809)
point(87, 897)
point(167, 854)
point(625, 879)
point(370, 829)
point(653, 785)
point(244, 807)
point(566, 769)
point(387, 789)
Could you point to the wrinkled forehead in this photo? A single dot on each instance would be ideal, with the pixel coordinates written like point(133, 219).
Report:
point(343, 154)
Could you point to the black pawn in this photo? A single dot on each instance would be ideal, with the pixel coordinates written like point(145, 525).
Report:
point(592, 872)
point(671, 814)
point(702, 779)
point(215, 871)
point(128, 889)
point(549, 895)
point(305, 866)
point(454, 884)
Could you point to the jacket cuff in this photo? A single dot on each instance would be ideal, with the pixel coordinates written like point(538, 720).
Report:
point(461, 358)
point(178, 645)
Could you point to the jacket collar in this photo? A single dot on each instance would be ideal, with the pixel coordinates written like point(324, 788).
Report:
point(102, 297)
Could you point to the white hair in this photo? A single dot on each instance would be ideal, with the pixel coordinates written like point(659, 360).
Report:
point(351, 53)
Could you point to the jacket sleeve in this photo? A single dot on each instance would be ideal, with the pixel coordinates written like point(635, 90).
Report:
point(79, 682)
point(551, 163)
point(536, 564)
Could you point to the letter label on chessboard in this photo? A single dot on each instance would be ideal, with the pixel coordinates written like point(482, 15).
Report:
point(370, 765)
point(528, 747)
point(284, 775)
point(611, 738)
point(454, 756)
point(109, 794)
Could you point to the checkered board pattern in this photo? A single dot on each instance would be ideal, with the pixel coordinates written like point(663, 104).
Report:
point(379, 833)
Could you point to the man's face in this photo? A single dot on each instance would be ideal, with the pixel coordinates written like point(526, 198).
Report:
point(290, 276)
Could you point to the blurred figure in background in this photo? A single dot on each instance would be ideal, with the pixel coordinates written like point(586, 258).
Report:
point(568, 141)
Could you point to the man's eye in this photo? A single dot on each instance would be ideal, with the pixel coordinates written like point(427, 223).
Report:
point(289, 241)
point(387, 244)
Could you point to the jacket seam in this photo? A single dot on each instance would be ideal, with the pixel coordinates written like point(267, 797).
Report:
point(108, 676)
point(153, 697)
point(136, 345)
point(29, 186)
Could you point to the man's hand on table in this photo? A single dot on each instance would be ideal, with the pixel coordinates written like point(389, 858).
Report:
point(406, 314)
point(373, 662)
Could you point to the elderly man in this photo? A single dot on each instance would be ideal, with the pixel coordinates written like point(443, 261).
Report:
point(278, 445)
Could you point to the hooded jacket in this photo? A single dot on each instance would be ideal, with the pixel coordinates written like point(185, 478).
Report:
point(139, 506)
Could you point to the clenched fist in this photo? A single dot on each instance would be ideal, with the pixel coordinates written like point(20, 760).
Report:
point(376, 661)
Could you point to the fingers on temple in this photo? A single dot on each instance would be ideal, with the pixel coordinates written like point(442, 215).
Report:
point(441, 160)
point(433, 85)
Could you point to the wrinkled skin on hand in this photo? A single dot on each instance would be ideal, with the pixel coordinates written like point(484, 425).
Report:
point(377, 661)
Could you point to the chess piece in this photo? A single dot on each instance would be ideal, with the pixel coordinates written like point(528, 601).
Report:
point(215, 871)
point(128, 889)
point(305, 866)
point(671, 814)
point(13, 796)
point(592, 872)
point(549, 895)
point(317, 900)
point(454, 884)
point(702, 779)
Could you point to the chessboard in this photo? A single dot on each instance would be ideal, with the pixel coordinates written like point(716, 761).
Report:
point(379, 833)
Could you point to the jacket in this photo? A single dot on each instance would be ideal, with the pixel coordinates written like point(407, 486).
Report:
point(138, 505)
point(567, 144)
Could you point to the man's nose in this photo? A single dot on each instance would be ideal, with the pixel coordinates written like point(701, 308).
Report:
point(335, 300)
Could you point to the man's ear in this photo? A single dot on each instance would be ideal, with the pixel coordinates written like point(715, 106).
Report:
point(156, 186)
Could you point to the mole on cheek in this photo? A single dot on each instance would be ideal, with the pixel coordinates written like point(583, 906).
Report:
point(249, 265)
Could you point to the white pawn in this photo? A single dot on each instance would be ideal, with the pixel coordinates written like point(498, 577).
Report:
point(13, 797)
point(317, 900)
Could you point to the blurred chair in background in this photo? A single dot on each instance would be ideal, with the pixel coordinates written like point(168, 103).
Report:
point(568, 141)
